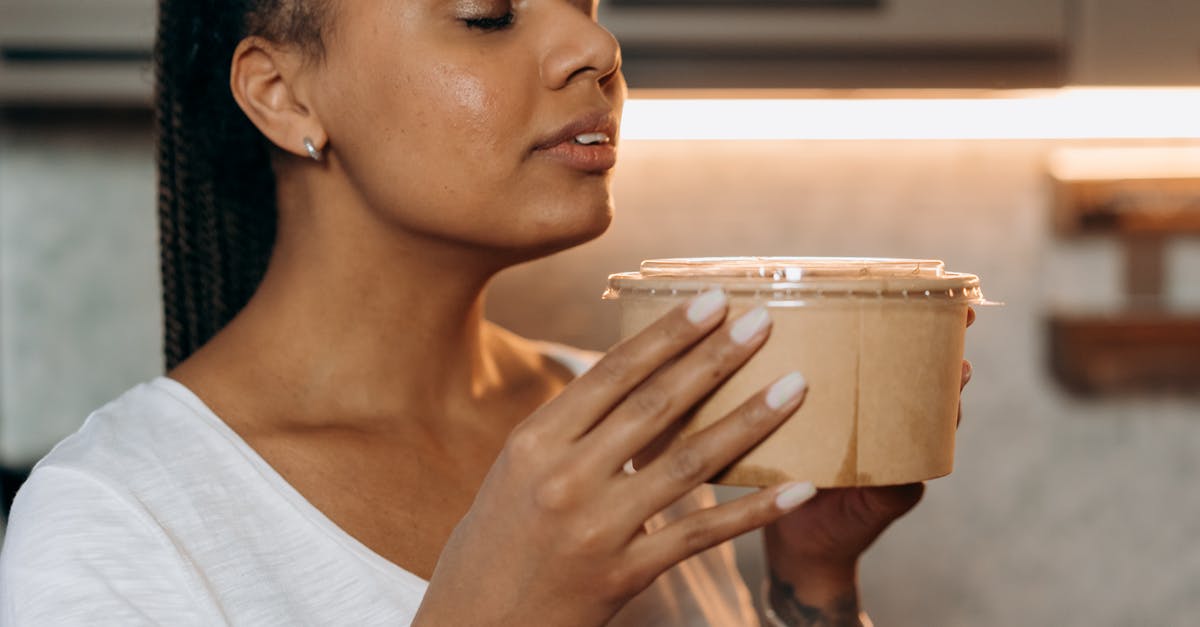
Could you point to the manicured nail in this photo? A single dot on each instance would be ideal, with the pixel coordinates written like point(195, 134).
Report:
point(750, 325)
point(707, 305)
point(794, 495)
point(786, 391)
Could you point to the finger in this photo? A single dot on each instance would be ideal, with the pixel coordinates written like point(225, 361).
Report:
point(970, 316)
point(709, 527)
point(659, 445)
point(967, 371)
point(596, 392)
point(692, 460)
point(672, 392)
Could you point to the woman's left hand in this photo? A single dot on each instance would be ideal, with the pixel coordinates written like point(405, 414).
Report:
point(813, 552)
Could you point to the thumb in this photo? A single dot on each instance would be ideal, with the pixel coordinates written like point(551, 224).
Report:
point(884, 505)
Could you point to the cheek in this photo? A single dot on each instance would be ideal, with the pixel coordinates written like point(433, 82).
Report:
point(439, 116)
point(470, 123)
point(444, 148)
point(463, 134)
point(446, 135)
point(465, 101)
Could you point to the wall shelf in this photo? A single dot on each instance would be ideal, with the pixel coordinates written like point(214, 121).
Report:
point(1142, 198)
point(1123, 354)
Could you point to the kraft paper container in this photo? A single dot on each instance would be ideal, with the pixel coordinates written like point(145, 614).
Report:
point(879, 340)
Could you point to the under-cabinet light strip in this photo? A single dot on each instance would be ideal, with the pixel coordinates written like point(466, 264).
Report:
point(1072, 113)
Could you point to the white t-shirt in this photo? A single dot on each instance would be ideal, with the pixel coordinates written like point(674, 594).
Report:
point(156, 513)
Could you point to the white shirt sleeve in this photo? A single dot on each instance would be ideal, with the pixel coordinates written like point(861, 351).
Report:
point(77, 553)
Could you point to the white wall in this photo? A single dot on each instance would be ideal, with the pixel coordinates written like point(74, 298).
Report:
point(79, 300)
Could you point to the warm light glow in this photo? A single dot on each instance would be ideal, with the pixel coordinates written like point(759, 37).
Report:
point(1073, 113)
point(1122, 164)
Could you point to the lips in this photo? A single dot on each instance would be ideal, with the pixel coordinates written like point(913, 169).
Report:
point(598, 121)
point(595, 157)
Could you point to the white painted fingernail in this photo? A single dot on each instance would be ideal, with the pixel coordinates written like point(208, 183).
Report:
point(707, 305)
point(750, 325)
point(794, 495)
point(786, 390)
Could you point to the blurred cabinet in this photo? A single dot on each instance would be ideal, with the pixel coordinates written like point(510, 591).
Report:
point(85, 52)
point(908, 43)
point(1136, 42)
point(77, 24)
point(99, 51)
point(842, 43)
point(832, 25)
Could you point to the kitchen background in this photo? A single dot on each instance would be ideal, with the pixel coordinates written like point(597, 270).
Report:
point(1074, 501)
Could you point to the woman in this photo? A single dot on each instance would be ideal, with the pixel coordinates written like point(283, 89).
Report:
point(342, 438)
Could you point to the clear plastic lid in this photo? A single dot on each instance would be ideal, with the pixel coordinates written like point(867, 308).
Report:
point(799, 280)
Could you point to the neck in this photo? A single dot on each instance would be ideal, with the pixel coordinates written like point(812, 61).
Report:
point(357, 321)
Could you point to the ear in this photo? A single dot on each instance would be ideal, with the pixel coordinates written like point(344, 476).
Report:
point(267, 84)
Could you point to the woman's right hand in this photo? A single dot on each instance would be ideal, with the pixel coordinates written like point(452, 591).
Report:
point(557, 536)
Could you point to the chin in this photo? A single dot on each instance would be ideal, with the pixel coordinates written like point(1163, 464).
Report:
point(594, 229)
point(558, 229)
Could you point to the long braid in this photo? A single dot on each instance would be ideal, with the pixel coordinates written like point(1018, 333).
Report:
point(216, 201)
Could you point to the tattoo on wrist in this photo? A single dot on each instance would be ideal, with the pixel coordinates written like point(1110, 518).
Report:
point(790, 611)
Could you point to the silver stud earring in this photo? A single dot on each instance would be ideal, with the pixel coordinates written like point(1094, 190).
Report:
point(312, 149)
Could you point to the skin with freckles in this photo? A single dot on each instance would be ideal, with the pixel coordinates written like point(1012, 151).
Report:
point(438, 145)
point(364, 372)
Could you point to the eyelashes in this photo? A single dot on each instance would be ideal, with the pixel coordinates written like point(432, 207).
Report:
point(491, 23)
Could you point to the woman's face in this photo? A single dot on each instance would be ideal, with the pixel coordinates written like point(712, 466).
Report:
point(448, 117)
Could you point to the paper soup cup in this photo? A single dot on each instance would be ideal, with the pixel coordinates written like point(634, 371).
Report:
point(879, 340)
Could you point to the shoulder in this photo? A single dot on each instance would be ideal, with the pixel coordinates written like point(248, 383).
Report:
point(85, 533)
point(125, 450)
point(60, 510)
point(79, 549)
point(138, 456)
point(155, 455)
point(140, 431)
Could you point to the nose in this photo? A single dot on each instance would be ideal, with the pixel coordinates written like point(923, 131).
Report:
point(579, 49)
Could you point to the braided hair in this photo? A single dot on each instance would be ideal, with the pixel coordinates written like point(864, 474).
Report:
point(216, 194)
